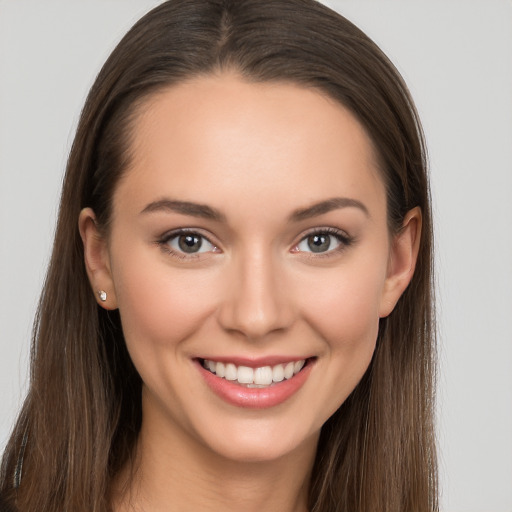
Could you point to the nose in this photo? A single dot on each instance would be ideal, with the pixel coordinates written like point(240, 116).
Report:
point(256, 302)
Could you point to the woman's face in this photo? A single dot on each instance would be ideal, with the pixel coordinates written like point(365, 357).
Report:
point(249, 236)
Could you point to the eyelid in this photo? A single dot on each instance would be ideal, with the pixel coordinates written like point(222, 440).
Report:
point(163, 242)
point(345, 240)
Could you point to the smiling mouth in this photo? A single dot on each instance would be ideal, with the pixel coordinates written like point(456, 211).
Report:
point(261, 377)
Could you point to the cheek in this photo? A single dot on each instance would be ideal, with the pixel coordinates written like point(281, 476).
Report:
point(344, 309)
point(160, 305)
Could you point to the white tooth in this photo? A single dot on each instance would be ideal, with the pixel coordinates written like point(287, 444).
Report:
point(212, 365)
point(231, 372)
point(297, 367)
point(220, 370)
point(278, 373)
point(263, 375)
point(245, 375)
point(288, 371)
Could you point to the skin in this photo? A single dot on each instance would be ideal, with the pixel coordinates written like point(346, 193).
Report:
point(256, 153)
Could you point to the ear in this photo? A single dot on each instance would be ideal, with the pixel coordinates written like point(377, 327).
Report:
point(402, 261)
point(97, 259)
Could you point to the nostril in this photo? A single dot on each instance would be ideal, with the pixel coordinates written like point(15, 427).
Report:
point(256, 302)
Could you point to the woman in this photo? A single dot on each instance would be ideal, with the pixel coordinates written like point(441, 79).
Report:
point(238, 310)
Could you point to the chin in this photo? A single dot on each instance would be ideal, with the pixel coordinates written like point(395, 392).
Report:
point(262, 446)
point(255, 436)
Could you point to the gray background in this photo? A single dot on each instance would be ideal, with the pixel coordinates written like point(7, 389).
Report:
point(456, 57)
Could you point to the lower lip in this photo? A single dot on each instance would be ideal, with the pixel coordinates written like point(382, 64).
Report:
point(255, 398)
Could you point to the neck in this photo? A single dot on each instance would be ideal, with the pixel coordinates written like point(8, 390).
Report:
point(172, 472)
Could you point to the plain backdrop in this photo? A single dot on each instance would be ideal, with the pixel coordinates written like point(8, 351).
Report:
point(456, 57)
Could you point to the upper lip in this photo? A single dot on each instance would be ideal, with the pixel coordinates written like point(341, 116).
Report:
point(256, 362)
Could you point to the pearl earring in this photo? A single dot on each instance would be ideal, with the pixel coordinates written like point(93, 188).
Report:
point(103, 295)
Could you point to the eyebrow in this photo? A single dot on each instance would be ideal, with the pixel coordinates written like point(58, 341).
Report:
point(207, 212)
point(326, 206)
point(185, 208)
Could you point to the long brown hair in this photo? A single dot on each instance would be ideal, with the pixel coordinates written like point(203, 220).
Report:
point(80, 421)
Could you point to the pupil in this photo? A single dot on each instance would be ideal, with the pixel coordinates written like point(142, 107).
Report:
point(319, 243)
point(190, 243)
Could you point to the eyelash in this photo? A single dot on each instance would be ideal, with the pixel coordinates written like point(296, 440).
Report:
point(343, 238)
point(163, 242)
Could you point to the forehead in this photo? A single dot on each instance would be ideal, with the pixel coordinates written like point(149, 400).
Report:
point(238, 145)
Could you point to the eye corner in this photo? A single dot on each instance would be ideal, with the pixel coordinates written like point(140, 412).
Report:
point(172, 244)
point(337, 241)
